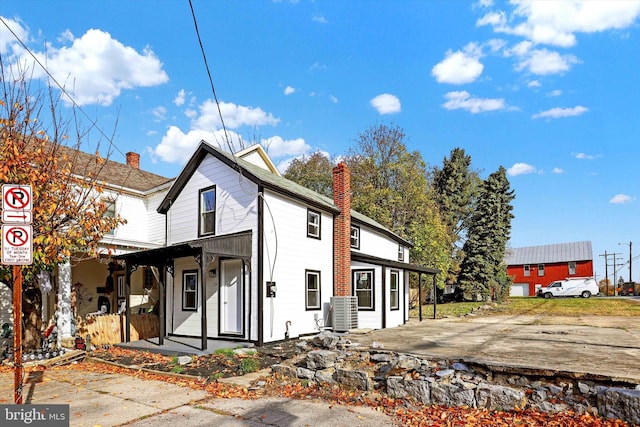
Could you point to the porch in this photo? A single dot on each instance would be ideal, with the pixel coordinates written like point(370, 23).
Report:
point(181, 346)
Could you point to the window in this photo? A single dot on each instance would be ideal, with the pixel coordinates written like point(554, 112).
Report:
point(110, 212)
point(189, 290)
point(208, 211)
point(394, 292)
point(527, 270)
point(148, 278)
point(400, 253)
point(540, 270)
point(121, 286)
point(312, 289)
point(355, 237)
point(363, 288)
point(572, 267)
point(313, 224)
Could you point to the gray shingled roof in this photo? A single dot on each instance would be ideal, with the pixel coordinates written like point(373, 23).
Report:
point(546, 254)
point(269, 180)
point(114, 173)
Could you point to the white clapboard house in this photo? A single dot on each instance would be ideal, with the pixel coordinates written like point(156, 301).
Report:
point(253, 257)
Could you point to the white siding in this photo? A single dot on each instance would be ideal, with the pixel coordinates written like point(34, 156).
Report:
point(285, 231)
point(377, 244)
point(184, 322)
point(156, 222)
point(367, 318)
point(235, 203)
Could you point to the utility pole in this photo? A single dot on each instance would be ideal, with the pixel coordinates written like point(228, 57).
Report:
point(615, 272)
point(606, 273)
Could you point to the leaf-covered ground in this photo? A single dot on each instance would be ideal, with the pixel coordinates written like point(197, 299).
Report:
point(406, 413)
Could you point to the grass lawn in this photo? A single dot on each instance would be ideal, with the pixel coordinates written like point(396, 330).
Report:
point(534, 306)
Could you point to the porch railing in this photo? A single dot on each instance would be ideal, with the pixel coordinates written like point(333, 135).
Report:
point(109, 329)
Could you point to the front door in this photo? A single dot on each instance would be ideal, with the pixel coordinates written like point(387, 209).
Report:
point(231, 297)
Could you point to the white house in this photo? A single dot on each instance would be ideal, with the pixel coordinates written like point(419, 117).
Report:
point(253, 257)
point(135, 195)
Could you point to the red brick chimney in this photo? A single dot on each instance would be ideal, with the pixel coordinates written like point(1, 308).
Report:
point(133, 159)
point(342, 231)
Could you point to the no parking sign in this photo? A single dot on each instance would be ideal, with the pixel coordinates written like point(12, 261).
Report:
point(17, 244)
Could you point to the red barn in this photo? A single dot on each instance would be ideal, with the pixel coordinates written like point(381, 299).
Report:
point(533, 267)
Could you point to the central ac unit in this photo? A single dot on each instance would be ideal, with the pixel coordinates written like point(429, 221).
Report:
point(345, 313)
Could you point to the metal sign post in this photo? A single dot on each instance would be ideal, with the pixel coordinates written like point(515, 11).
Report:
point(17, 250)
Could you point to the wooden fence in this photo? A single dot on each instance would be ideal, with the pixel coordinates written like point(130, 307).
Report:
point(110, 328)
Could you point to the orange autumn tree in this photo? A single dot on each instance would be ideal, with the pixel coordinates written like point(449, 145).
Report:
point(38, 147)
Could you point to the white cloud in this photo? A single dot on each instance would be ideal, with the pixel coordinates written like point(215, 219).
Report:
point(95, 68)
point(557, 170)
point(584, 156)
point(8, 43)
point(319, 19)
point(495, 19)
point(460, 67)
point(558, 112)
point(543, 62)
point(278, 147)
point(521, 169)
point(289, 90)
point(557, 22)
point(534, 83)
point(386, 103)
point(464, 100)
point(333, 99)
point(554, 93)
point(234, 116)
point(160, 113)
point(180, 98)
point(620, 199)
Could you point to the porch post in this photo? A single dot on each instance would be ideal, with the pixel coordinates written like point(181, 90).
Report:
point(420, 296)
point(161, 296)
point(203, 298)
point(435, 295)
point(64, 311)
point(127, 312)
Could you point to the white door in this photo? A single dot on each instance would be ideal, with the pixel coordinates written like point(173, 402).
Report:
point(519, 290)
point(231, 297)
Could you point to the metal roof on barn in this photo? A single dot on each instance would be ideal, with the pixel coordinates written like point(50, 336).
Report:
point(547, 254)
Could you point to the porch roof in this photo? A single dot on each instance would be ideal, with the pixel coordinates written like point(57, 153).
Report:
point(414, 268)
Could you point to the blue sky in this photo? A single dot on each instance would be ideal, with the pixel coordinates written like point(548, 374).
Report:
point(550, 90)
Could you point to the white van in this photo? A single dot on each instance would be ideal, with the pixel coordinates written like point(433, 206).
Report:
point(571, 287)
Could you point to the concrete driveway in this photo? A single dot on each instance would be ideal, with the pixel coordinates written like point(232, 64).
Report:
point(598, 347)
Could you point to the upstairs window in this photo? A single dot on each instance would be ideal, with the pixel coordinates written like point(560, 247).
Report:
point(401, 253)
point(110, 212)
point(355, 237)
point(572, 267)
point(313, 224)
point(527, 270)
point(540, 270)
point(208, 211)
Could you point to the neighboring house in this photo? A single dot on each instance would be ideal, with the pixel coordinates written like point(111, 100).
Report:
point(133, 194)
point(251, 256)
point(533, 267)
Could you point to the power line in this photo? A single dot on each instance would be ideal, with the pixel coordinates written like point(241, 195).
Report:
point(62, 89)
point(206, 65)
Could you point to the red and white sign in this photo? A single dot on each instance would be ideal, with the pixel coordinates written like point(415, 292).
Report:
point(17, 246)
point(16, 197)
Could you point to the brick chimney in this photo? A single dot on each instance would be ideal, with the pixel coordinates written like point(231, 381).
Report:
point(342, 231)
point(133, 159)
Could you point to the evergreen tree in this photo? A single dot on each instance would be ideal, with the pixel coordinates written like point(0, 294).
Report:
point(455, 188)
point(481, 271)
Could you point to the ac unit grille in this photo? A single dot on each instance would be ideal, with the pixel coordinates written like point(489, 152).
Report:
point(345, 313)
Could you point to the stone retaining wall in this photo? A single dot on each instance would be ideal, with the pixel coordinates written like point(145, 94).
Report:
point(454, 383)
